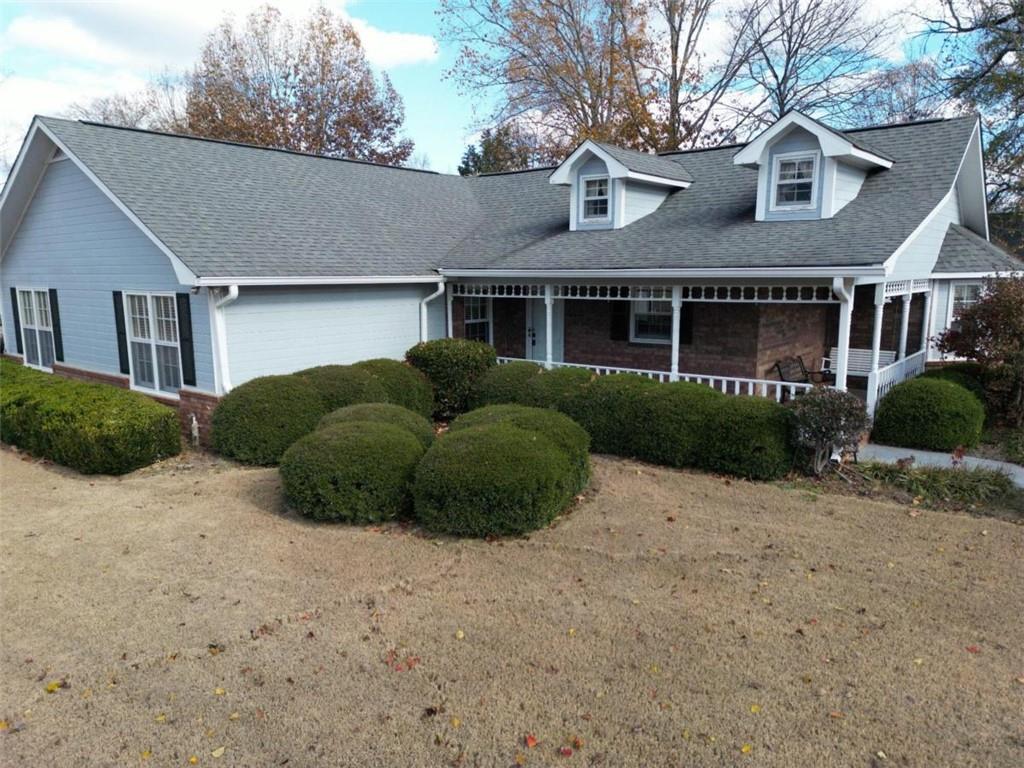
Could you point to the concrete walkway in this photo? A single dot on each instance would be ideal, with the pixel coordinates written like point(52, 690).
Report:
point(890, 455)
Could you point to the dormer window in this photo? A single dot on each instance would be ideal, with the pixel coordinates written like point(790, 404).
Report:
point(595, 198)
point(795, 181)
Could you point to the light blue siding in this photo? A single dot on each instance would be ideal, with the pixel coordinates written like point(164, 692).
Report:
point(797, 140)
point(919, 257)
point(280, 330)
point(849, 180)
point(74, 239)
point(642, 200)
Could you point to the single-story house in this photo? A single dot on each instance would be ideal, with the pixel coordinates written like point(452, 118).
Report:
point(181, 267)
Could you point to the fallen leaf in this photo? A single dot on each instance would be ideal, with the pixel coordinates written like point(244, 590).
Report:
point(459, 634)
point(881, 755)
point(577, 742)
point(56, 685)
point(835, 715)
point(219, 691)
point(161, 718)
point(755, 708)
point(520, 758)
point(455, 722)
point(919, 662)
point(530, 740)
point(145, 754)
point(1020, 680)
point(565, 751)
point(973, 649)
point(193, 760)
point(746, 749)
point(218, 752)
point(572, 631)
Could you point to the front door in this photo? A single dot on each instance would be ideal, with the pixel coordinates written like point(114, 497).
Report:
point(536, 330)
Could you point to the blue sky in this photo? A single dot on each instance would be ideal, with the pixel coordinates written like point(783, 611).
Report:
point(55, 53)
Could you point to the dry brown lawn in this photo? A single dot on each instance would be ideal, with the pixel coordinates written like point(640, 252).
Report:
point(672, 619)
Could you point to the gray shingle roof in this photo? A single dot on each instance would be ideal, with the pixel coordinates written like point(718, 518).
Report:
point(963, 251)
point(230, 210)
point(643, 162)
point(711, 224)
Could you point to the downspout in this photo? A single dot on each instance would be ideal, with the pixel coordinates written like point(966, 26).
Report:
point(221, 336)
point(423, 308)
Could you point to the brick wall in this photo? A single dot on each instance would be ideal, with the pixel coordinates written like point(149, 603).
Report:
point(862, 322)
point(790, 330)
point(458, 318)
point(588, 340)
point(78, 374)
point(200, 405)
point(509, 318)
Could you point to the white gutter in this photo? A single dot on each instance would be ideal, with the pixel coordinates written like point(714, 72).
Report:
point(668, 274)
point(220, 339)
point(317, 280)
point(423, 308)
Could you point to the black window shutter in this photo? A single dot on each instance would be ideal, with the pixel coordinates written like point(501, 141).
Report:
point(686, 323)
point(188, 356)
point(122, 335)
point(619, 320)
point(17, 320)
point(58, 339)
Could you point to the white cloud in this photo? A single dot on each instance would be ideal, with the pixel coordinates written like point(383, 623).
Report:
point(394, 49)
point(60, 35)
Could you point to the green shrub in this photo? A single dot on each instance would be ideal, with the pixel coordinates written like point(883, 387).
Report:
point(353, 472)
point(385, 413)
point(965, 375)
point(491, 480)
point(256, 422)
point(562, 431)
point(929, 413)
point(403, 385)
point(505, 384)
point(937, 485)
point(553, 389)
point(453, 366)
point(827, 420)
point(673, 420)
point(748, 437)
point(341, 385)
point(609, 409)
point(92, 428)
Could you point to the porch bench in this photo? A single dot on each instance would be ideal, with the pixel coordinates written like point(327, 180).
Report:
point(859, 361)
point(794, 370)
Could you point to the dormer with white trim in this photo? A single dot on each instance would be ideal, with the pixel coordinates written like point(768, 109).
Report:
point(806, 170)
point(611, 187)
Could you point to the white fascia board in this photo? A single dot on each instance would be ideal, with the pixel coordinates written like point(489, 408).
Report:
point(830, 272)
point(18, 161)
point(964, 275)
point(563, 173)
point(659, 180)
point(185, 275)
point(319, 280)
point(869, 157)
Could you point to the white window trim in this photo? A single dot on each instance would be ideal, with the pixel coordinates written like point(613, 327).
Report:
point(126, 308)
point(951, 305)
point(583, 198)
point(490, 318)
point(633, 338)
point(774, 180)
point(35, 327)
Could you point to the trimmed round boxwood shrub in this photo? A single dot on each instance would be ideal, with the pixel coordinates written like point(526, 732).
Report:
point(453, 366)
point(384, 413)
point(403, 384)
point(505, 384)
point(257, 422)
point(747, 437)
point(92, 428)
point(609, 409)
point(553, 389)
point(491, 480)
point(556, 427)
point(958, 375)
point(673, 420)
point(929, 413)
point(341, 385)
point(353, 472)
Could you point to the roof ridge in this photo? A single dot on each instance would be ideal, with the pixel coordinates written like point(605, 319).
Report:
point(244, 145)
point(509, 173)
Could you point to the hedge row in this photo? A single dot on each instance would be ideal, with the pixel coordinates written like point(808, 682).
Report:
point(256, 422)
point(92, 428)
point(676, 424)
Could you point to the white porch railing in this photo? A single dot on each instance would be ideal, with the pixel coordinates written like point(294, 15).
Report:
point(730, 385)
point(884, 379)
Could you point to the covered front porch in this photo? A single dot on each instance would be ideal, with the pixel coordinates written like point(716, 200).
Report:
point(744, 338)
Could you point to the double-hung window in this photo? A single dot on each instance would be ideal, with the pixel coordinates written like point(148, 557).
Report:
point(795, 181)
point(652, 322)
point(595, 198)
point(478, 319)
point(36, 328)
point(964, 296)
point(152, 323)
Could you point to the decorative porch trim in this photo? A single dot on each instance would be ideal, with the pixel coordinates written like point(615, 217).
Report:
point(760, 294)
point(903, 287)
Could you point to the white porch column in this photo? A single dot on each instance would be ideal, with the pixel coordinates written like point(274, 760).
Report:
point(549, 306)
point(845, 292)
point(876, 348)
point(448, 308)
point(677, 303)
point(926, 322)
point(904, 326)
